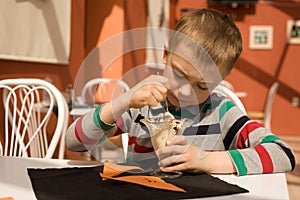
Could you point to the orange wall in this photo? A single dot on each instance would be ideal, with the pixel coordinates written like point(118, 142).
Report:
point(105, 20)
point(256, 70)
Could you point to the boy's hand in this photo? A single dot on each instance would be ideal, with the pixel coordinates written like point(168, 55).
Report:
point(189, 158)
point(150, 91)
point(185, 157)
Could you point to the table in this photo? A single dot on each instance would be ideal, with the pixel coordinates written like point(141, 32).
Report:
point(79, 111)
point(15, 182)
point(241, 94)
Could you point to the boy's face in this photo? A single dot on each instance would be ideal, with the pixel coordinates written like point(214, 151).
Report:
point(187, 85)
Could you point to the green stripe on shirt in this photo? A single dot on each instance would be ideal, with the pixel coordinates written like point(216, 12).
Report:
point(224, 108)
point(239, 162)
point(269, 138)
point(210, 106)
point(97, 120)
point(96, 117)
point(182, 113)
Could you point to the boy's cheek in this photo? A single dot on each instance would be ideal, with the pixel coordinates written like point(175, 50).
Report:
point(168, 72)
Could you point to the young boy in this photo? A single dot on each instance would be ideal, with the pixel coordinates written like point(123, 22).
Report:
point(222, 139)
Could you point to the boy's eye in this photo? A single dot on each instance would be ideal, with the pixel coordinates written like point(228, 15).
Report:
point(202, 86)
point(178, 74)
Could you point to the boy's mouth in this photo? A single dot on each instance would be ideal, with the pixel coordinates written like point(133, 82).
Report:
point(178, 102)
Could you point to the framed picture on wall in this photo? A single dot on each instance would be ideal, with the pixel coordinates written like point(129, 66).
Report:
point(261, 37)
point(293, 31)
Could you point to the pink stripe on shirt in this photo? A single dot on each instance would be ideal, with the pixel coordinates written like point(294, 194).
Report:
point(80, 134)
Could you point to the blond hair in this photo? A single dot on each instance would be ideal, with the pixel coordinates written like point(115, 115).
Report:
point(215, 32)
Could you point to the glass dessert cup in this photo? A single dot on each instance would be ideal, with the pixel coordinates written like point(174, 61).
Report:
point(161, 174)
point(161, 129)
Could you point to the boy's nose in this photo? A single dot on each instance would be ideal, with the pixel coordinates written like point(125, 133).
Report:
point(185, 90)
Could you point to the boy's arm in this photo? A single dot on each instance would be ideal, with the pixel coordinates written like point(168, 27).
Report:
point(92, 128)
point(254, 149)
point(258, 151)
point(218, 162)
point(84, 133)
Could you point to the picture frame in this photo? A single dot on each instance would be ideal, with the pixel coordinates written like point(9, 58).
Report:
point(261, 37)
point(293, 31)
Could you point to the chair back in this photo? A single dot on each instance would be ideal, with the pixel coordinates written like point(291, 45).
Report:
point(220, 89)
point(101, 90)
point(1, 149)
point(227, 84)
point(269, 104)
point(125, 140)
point(33, 125)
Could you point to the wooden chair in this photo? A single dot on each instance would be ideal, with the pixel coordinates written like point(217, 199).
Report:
point(28, 118)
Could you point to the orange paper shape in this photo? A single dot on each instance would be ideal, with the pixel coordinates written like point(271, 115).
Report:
point(111, 170)
point(6, 198)
point(149, 181)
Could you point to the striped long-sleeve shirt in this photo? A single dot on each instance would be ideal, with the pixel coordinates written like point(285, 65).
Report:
point(218, 126)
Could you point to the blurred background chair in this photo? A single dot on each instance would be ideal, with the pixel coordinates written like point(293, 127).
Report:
point(101, 90)
point(265, 117)
point(1, 149)
point(225, 91)
point(31, 129)
point(227, 84)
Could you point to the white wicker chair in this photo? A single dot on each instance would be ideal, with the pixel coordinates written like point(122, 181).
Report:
point(27, 117)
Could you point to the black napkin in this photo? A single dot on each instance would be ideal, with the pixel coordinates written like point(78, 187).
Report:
point(85, 183)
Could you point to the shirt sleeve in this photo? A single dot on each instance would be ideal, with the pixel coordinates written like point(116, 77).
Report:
point(253, 148)
point(84, 133)
point(89, 130)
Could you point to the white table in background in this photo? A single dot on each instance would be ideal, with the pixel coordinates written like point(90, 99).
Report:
point(241, 94)
point(15, 182)
point(79, 111)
